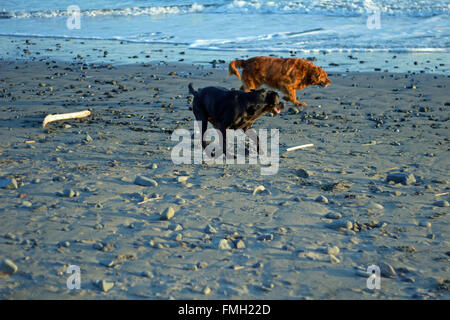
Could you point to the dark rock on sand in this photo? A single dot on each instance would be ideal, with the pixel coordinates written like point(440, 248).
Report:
point(8, 267)
point(9, 184)
point(401, 177)
point(145, 182)
point(321, 199)
point(441, 203)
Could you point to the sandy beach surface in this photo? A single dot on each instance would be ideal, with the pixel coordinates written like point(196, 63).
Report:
point(373, 190)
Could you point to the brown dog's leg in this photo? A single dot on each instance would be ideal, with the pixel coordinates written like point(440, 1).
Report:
point(289, 95)
point(247, 82)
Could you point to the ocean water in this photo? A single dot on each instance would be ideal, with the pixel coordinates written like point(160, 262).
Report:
point(242, 26)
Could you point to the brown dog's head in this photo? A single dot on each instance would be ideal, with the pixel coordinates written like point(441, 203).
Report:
point(273, 102)
point(318, 76)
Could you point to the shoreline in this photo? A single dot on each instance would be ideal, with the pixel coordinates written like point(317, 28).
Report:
point(327, 214)
point(120, 52)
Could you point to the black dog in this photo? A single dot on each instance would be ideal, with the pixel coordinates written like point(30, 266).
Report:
point(232, 109)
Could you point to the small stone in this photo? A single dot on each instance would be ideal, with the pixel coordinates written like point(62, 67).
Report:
point(387, 270)
point(224, 245)
point(425, 224)
point(176, 227)
point(145, 182)
point(68, 193)
point(154, 166)
point(8, 267)
point(65, 244)
point(182, 179)
point(293, 110)
point(26, 204)
point(179, 237)
point(266, 237)
point(206, 291)
point(333, 215)
point(210, 229)
point(240, 244)
point(333, 259)
point(10, 184)
point(375, 206)
point(98, 245)
point(168, 213)
point(88, 138)
point(147, 274)
point(338, 224)
point(333, 250)
point(401, 177)
point(106, 286)
point(321, 199)
point(441, 203)
point(302, 173)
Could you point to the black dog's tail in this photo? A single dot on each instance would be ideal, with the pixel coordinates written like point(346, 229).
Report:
point(191, 90)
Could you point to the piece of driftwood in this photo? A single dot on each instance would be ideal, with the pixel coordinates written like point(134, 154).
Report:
point(150, 199)
point(299, 147)
point(65, 116)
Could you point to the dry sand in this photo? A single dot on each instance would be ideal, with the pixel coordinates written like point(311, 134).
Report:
point(77, 202)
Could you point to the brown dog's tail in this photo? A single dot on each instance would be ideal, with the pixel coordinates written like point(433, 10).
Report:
point(232, 68)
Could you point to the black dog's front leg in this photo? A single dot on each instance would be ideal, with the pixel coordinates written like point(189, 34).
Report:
point(252, 134)
point(223, 138)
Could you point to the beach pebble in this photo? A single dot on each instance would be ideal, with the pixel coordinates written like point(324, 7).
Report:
point(441, 203)
point(293, 110)
point(206, 291)
point(333, 250)
point(401, 177)
point(240, 244)
point(68, 193)
point(387, 270)
point(8, 267)
point(147, 274)
point(425, 224)
point(168, 213)
point(338, 224)
point(321, 199)
point(182, 179)
point(106, 285)
point(374, 206)
point(224, 245)
point(333, 215)
point(145, 182)
point(9, 184)
point(266, 237)
point(175, 227)
point(333, 259)
point(210, 229)
point(26, 204)
point(302, 173)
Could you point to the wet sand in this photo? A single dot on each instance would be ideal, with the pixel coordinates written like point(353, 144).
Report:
point(327, 214)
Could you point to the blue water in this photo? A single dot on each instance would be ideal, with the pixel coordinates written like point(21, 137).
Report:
point(224, 26)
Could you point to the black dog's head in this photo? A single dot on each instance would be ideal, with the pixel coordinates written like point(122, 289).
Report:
point(273, 102)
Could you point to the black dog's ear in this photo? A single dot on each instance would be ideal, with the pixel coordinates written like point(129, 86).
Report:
point(272, 98)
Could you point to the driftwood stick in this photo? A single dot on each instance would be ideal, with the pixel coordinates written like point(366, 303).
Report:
point(150, 199)
point(65, 116)
point(299, 147)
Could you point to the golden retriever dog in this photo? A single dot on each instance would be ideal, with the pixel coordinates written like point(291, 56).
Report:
point(284, 74)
